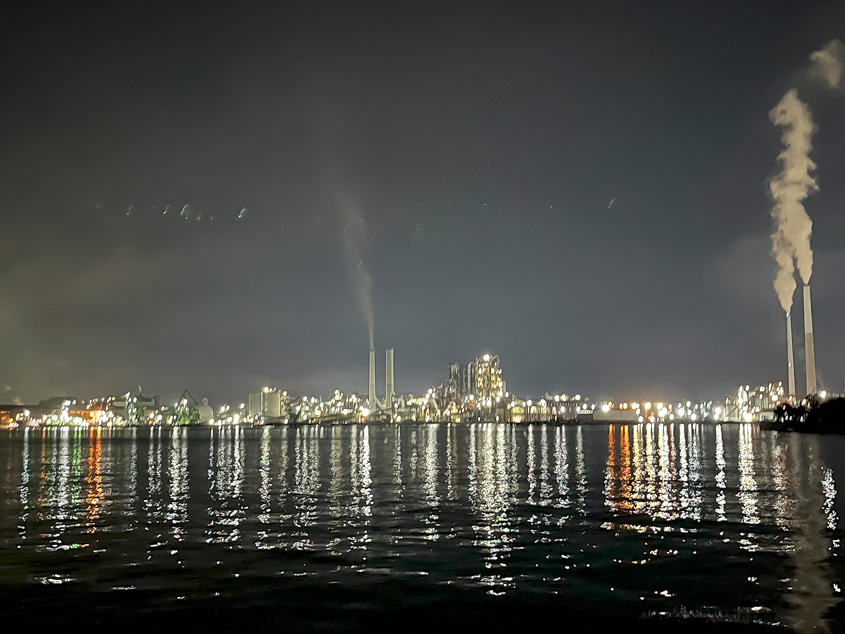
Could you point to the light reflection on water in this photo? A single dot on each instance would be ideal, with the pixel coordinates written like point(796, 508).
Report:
point(682, 520)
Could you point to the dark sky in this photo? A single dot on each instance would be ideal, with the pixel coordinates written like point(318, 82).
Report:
point(582, 191)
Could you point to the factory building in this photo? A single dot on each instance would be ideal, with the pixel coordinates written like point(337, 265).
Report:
point(268, 404)
point(472, 392)
point(481, 378)
point(486, 377)
point(139, 407)
point(750, 402)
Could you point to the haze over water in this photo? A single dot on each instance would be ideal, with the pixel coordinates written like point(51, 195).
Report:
point(361, 526)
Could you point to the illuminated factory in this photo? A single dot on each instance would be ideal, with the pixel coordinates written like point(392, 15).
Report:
point(471, 392)
point(475, 391)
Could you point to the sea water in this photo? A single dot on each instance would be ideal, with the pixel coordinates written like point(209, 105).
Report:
point(414, 527)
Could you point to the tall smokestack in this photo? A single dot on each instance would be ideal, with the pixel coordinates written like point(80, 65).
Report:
point(388, 380)
point(809, 346)
point(372, 394)
point(790, 361)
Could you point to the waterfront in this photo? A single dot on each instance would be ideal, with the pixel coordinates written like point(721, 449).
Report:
point(342, 527)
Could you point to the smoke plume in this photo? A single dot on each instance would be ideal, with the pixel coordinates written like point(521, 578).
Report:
point(795, 181)
point(828, 63)
point(354, 237)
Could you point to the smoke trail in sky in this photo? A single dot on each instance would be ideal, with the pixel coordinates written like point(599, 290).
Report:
point(794, 182)
point(354, 237)
point(828, 63)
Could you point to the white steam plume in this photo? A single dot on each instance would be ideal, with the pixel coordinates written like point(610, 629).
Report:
point(354, 237)
point(828, 63)
point(791, 239)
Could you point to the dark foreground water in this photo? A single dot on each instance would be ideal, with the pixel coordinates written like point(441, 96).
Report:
point(414, 527)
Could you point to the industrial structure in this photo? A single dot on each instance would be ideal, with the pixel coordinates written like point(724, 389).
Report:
point(372, 399)
point(809, 352)
point(750, 403)
point(269, 404)
point(389, 385)
point(475, 391)
point(809, 346)
point(790, 358)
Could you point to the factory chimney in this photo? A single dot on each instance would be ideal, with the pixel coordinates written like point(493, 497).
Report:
point(790, 362)
point(809, 346)
point(373, 403)
point(388, 380)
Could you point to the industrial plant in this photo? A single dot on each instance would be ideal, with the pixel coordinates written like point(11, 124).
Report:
point(475, 391)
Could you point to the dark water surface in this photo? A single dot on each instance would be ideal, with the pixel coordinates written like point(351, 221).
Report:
point(413, 527)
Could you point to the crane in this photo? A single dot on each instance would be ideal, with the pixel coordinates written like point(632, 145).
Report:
point(187, 410)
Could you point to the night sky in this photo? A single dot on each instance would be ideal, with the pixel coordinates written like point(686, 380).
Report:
point(579, 190)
